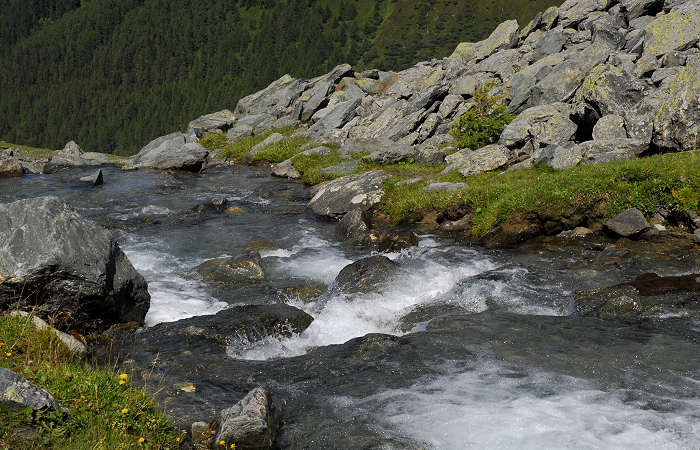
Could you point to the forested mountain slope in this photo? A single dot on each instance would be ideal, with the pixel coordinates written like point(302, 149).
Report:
point(113, 74)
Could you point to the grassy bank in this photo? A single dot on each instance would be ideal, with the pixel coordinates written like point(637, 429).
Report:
point(105, 411)
point(585, 194)
point(29, 152)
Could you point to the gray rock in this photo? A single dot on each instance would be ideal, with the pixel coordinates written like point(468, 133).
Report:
point(609, 127)
point(468, 162)
point(20, 393)
point(639, 23)
point(604, 151)
point(628, 223)
point(571, 12)
point(317, 151)
point(409, 181)
point(336, 198)
point(674, 31)
point(336, 118)
point(645, 66)
point(97, 159)
point(560, 157)
point(607, 31)
point(531, 26)
point(73, 156)
point(523, 83)
point(505, 36)
point(544, 124)
point(341, 169)
point(251, 423)
point(247, 266)
point(96, 179)
point(692, 218)
point(550, 43)
point(353, 225)
point(577, 232)
point(70, 268)
point(364, 276)
point(611, 90)
point(696, 236)
point(171, 152)
point(318, 97)
point(431, 156)
point(642, 8)
point(445, 187)
point(273, 100)
point(550, 17)
point(286, 169)
point(74, 345)
point(249, 125)
point(271, 139)
point(220, 121)
point(392, 154)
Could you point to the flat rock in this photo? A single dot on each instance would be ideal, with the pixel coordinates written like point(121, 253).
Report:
point(96, 179)
point(343, 168)
point(678, 30)
point(336, 198)
point(220, 121)
point(445, 187)
point(286, 169)
point(68, 268)
point(247, 266)
point(365, 275)
point(628, 223)
point(392, 154)
point(486, 159)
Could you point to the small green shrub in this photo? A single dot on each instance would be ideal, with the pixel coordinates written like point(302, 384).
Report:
point(214, 141)
point(483, 124)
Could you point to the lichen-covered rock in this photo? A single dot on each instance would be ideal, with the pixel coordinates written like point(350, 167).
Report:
point(612, 150)
point(486, 159)
point(639, 8)
point(171, 152)
point(674, 31)
point(392, 154)
point(544, 124)
point(336, 198)
point(66, 267)
point(251, 423)
point(611, 90)
point(571, 12)
point(20, 393)
point(628, 223)
point(220, 121)
point(609, 127)
point(505, 36)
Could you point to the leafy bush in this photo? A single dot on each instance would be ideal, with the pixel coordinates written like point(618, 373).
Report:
point(483, 124)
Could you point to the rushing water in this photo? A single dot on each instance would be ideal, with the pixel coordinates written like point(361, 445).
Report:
point(502, 369)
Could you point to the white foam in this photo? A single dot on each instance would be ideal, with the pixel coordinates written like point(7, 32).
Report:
point(484, 409)
point(340, 318)
point(172, 297)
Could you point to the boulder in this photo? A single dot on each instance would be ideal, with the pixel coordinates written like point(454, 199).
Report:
point(217, 122)
point(171, 152)
point(336, 118)
point(365, 275)
point(571, 12)
point(74, 345)
point(392, 154)
point(486, 159)
point(272, 139)
point(336, 198)
point(70, 268)
point(353, 225)
point(550, 17)
point(73, 156)
point(612, 150)
point(678, 30)
point(271, 102)
point(505, 36)
point(560, 157)
point(19, 393)
point(642, 8)
point(540, 125)
point(251, 423)
point(96, 179)
point(611, 90)
point(286, 169)
point(246, 266)
point(249, 125)
point(11, 167)
point(431, 156)
point(609, 127)
point(550, 43)
point(445, 187)
point(628, 223)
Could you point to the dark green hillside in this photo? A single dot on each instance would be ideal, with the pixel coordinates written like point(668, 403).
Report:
point(113, 74)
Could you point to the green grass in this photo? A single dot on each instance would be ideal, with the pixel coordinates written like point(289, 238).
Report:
point(281, 151)
point(214, 141)
point(595, 191)
point(103, 413)
point(30, 152)
point(238, 150)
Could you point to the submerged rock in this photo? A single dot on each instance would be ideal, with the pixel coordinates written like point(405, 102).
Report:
point(247, 266)
point(96, 179)
point(251, 423)
point(20, 393)
point(365, 275)
point(68, 268)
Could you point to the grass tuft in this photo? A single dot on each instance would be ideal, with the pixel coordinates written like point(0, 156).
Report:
point(214, 141)
point(238, 150)
point(104, 413)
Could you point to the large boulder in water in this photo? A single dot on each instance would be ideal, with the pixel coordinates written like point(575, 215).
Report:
point(171, 152)
point(69, 268)
point(359, 191)
point(365, 275)
point(251, 423)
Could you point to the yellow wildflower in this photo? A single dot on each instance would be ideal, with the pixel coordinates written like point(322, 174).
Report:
point(8, 354)
point(125, 410)
point(141, 440)
point(222, 443)
point(233, 447)
point(178, 439)
point(122, 382)
point(123, 376)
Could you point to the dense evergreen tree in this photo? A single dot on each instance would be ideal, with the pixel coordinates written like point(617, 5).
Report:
point(113, 74)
